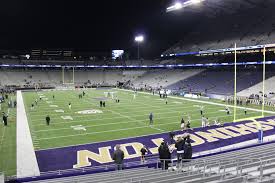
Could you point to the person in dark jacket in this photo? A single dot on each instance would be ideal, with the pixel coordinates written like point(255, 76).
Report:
point(143, 151)
point(164, 155)
point(180, 149)
point(171, 136)
point(118, 157)
point(187, 151)
point(48, 120)
point(5, 119)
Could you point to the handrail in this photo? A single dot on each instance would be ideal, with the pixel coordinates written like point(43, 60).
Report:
point(200, 164)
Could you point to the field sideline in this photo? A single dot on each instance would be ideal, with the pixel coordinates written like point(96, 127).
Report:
point(129, 118)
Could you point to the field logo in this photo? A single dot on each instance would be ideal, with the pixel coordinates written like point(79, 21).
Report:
point(93, 111)
point(78, 128)
point(53, 106)
point(59, 111)
point(176, 102)
point(67, 117)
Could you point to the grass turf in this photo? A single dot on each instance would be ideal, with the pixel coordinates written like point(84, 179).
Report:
point(8, 142)
point(129, 118)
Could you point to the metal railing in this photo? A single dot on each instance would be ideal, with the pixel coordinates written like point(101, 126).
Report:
point(220, 167)
point(234, 166)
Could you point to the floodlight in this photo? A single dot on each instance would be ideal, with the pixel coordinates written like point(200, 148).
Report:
point(139, 38)
point(178, 6)
point(196, 1)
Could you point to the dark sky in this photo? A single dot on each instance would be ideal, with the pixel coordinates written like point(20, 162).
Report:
point(94, 25)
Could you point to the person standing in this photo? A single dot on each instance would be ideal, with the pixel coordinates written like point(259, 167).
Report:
point(187, 150)
point(227, 110)
point(164, 155)
point(182, 124)
point(260, 132)
point(70, 106)
point(245, 111)
point(151, 118)
point(5, 119)
point(118, 157)
point(201, 110)
point(143, 151)
point(180, 150)
point(48, 120)
point(203, 121)
point(171, 136)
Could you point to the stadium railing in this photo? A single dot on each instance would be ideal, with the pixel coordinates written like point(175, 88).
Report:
point(151, 161)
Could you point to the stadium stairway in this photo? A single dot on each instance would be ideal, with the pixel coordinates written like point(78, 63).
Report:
point(254, 164)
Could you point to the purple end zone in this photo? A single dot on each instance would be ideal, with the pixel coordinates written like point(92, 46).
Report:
point(65, 158)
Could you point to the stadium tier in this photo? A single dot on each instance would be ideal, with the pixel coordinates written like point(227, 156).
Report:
point(244, 29)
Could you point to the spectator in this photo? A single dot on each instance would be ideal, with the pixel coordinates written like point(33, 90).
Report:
point(171, 136)
point(164, 155)
point(143, 152)
point(180, 149)
point(187, 150)
point(118, 157)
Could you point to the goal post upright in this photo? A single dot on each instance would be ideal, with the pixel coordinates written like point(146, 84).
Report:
point(71, 80)
point(63, 77)
point(263, 91)
point(73, 74)
point(235, 82)
point(263, 87)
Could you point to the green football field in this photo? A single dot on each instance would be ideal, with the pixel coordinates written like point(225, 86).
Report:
point(8, 141)
point(129, 118)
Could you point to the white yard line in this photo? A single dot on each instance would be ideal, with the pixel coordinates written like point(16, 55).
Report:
point(108, 131)
point(121, 108)
point(208, 102)
point(26, 160)
point(2, 138)
point(128, 117)
point(106, 124)
point(100, 119)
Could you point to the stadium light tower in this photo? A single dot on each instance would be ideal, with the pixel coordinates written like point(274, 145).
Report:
point(180, 5)
point(139, 39)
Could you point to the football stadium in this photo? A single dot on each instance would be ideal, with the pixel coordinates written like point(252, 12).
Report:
point(137, 91)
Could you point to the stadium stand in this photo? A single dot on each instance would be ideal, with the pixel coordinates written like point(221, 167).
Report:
point(253, 164)
point(258, 87)
point(189, 80)
point(245, 29)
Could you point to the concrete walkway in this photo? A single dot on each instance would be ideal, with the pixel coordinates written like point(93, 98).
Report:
point(25, 156)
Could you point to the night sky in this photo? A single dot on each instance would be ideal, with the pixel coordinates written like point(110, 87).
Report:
point(93, 25)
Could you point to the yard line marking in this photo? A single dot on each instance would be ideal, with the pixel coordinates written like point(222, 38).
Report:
point(122, 108)
point(106, 124)
point(108, 131)
point(2, 138)
point(102, 119)
point(213, 103)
